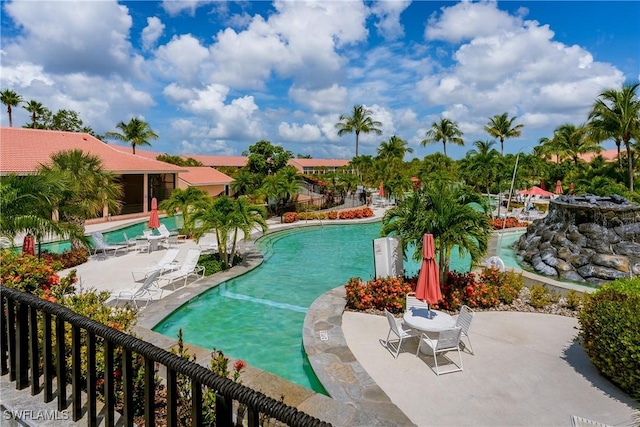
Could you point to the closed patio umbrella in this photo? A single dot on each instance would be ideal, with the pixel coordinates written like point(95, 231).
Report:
point(428, 287)
point(536, 191)
point(29, 245)
point(381, 190)
point(154, 218)
point(558, 187)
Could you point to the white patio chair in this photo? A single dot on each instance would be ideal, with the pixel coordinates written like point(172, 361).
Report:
point(131, 243)
point(400, 332)
point(145, 291)
point(412, 301)
point(101, 245)
point(189, 267)
point(464, 323)
point(448, 340)
point(166, 263)
point(143, 245)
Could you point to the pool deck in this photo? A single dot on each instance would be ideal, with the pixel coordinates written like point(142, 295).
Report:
point(527, 369)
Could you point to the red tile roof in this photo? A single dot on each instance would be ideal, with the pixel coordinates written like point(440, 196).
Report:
point(204, 175)
point(23, 150)
point(213, 161)
point(310, 163)
point(143, 153)
point(608, 155)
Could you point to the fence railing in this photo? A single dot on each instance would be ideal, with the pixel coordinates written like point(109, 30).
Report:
point(36, 364)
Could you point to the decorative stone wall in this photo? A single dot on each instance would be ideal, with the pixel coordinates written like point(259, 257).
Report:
point(584, 239)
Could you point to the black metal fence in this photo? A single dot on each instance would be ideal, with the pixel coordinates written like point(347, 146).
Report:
point(27, 361)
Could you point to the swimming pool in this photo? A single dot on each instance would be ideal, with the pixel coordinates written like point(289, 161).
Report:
point(258, 317)
point(114, 236)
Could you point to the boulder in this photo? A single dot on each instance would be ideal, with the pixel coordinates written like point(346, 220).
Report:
point(599, 272)
point(545, 269)
point(631, 249)
point(620, 263)
point(548, 256)
point(565, 253)
point(563, 266)
point(591, 229)
point(571, 275)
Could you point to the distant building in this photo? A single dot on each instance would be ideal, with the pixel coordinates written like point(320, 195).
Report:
point(214, 182)
point(23, 150)
point(318, 166)
point(219, 161)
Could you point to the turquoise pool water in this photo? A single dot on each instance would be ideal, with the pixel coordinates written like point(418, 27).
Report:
point(115, 236)
point(258, 317)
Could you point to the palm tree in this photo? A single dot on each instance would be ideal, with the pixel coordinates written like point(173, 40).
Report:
point(36, 109)
point(244, 183)
point(395, 147)
point(445, 131)
point(89, 187)
point(27, 205)
point(501, 127)
point(279, 189)
point(226, 216)
point(360, 121)
point(571, 141)
point(136, 132)
point(482, 162)
point(10, 99)
point(618, 113)
point(186, 201)
point(445, 211)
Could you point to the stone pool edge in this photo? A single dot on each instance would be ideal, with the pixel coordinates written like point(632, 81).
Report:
point(375, 408)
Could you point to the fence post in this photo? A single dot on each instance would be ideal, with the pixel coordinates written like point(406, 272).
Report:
point(22, 347)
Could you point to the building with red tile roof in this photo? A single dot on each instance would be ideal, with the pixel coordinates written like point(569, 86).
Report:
point(317, 166)
point(22, 151)
point(607, 155)
point(214, 182)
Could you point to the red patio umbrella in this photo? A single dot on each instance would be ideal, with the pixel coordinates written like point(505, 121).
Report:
point(29, 245)
point(536, 191)
point(428, 287)
point(154, 218)
point(558, 189)
point(381, 190)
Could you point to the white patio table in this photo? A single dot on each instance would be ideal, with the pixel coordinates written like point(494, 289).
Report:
point(153, 242)
point(427, 320)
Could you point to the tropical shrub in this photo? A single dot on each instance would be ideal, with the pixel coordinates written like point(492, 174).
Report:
point(27, 273)
point(69, 258)
point(540, 296)
point(389, 293)
point(610, 332)
point(574, 299)
point(332, 215)
point(212, 263)
point(510, 222)
point(289, 217)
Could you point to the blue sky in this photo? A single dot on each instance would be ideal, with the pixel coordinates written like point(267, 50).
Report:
point(213, 77)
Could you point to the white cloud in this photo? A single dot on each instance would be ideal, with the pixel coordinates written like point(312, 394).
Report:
point(176, 7)
point(299, 133)
point(181, 58)
point(388, 13)
point(152, 32)
point(89, 37)
point(468, 20)
point(320, 101)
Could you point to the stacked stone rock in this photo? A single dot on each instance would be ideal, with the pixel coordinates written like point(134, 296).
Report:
point(584, 239)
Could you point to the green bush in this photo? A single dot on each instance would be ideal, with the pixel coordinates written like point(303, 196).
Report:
point(213, 264)
point(541, 297)
point(610, 332)
point(573, 299)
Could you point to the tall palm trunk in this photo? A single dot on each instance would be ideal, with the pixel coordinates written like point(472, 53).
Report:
point(629, 163)
point(10, 116)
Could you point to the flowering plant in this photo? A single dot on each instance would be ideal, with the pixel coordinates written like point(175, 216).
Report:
point(389, 293)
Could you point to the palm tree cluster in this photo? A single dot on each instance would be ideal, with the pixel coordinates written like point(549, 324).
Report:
point(57, 200)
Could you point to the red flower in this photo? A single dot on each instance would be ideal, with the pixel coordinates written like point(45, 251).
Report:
point(239, 365)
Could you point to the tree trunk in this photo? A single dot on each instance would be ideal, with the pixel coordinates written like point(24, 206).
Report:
point(357, 135)
point(630, 164)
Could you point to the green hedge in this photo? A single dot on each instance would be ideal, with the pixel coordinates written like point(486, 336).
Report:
point(610, 330)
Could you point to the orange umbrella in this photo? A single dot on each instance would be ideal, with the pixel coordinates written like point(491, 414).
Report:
point(558, 187)
point(428, 287)
point(29, 245)
point(536, 191)
point(381, 190)
point(154, 218)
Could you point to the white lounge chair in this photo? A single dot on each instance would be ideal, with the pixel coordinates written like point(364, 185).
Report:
point(448, 340)
point(189, 267)
point(130, 242)
point(101, 245)
point(166, 263)
point(400, 332)
point(145, 291)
